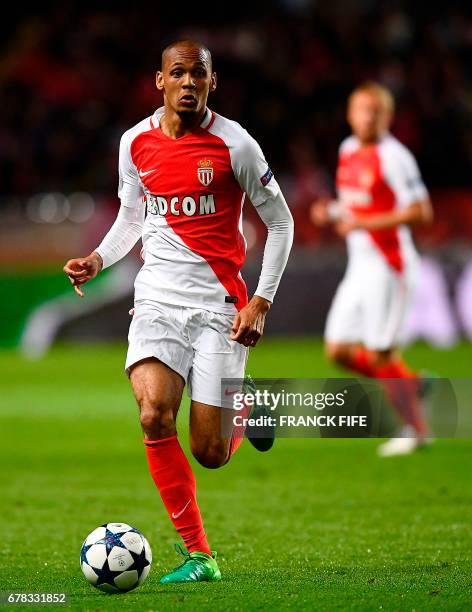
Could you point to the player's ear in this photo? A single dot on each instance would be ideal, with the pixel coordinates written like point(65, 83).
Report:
point(159, 80)
point(213, 81)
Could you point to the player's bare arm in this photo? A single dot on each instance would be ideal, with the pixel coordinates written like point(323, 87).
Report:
point(81, 270)
point(324, 212)
point(418, 213)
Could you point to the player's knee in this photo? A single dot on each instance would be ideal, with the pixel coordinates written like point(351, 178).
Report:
point(157, 419)
point(335, 353)
point(381, 358)
point(211, 455)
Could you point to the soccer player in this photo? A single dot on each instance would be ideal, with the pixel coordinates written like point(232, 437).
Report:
point(380, 195)
point(183, 176)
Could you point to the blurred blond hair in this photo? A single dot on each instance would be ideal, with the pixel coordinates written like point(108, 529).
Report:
point(383, 94)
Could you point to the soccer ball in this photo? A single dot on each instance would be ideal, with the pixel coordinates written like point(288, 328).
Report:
point(115, 558)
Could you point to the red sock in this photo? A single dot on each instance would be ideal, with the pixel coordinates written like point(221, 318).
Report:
point(360, 362)
point(402, 370)
point(174, 478)
point(403, 393)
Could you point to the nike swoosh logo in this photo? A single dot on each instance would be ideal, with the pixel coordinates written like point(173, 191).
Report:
point(175, 515)
point(229, 392)
point(145, 173)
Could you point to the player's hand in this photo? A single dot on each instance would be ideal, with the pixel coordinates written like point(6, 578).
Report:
point(82, 270)
point(319, 215)
point(248, 324)
point(345, 226)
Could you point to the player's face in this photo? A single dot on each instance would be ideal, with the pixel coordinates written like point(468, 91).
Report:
point(186, 80)
point(367, 116)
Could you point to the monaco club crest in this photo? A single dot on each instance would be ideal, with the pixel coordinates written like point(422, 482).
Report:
point(205, 171)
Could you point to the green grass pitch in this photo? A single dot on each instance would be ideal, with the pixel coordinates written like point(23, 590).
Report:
point(315, 524)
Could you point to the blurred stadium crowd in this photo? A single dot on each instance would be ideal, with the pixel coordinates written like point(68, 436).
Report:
point(75, 75)
point(73, 78)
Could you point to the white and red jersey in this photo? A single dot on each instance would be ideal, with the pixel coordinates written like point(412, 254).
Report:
point(193, 188)
point(374, 179)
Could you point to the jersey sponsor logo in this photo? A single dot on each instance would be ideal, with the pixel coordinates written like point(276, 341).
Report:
point(265, 178)
point(354, 197)
point(187, 205)
point(145, 172)
point(205, 171)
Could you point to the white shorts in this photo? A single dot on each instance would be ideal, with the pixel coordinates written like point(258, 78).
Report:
point(194, 343)
point(370, 304)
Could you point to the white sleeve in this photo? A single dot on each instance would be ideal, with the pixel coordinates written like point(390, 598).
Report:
point(276, 215)
point(122, 236)
point(130, 190)
point(252, 171)
point(128, 226)
point(403, 175)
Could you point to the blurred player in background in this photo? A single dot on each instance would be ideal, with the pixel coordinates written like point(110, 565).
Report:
point(183, 176)
point(380, 196)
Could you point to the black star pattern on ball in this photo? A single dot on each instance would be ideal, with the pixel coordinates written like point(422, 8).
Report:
point(111, 539)
point(83, 553)
point(106, 575)
point(140, 561)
